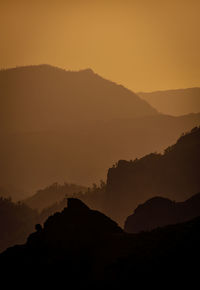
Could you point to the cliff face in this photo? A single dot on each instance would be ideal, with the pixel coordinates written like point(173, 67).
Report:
point(159, 211)
point(173, 174)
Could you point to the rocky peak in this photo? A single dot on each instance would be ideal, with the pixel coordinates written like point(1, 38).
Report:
point(76, 204)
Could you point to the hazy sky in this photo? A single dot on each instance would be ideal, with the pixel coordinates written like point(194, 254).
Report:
point(142, 44)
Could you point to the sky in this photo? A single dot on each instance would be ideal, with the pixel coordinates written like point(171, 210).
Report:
point(145, 45)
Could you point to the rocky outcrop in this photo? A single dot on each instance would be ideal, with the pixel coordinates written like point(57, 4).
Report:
point(159, 212)
point(76, 222)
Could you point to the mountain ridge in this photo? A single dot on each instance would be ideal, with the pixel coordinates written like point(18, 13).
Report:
point(172, 174)
point(57, 125)
point(174, 102)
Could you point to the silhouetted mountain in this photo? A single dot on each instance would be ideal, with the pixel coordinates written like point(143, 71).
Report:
point(37, 98)
point(67, 243)
point(54, 193)
point(158, 212)
point(134, 182)
point(58, 125)
point(174, 174)
point(82, 154)
point(16, 223)
point(174, 102)
point(94, 197)
point(86, 249)
point(77, 220)
point(18, 219)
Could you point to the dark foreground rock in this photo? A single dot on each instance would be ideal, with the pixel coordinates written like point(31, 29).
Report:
point(84, 249)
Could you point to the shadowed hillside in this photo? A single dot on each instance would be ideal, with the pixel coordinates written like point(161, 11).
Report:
point(46, 197)
point(132, 182)
point(174, 102)
point(59, 125)
point(174, 174)
point(17, 221)
point(159, 212)
point(37, 98)
point(84, 248)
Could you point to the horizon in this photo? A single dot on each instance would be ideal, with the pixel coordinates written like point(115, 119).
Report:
point(93, 71)
point(144, 45)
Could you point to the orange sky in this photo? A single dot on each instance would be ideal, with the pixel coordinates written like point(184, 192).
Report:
point(142, 44)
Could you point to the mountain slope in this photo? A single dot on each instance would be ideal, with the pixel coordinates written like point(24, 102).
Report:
point(159, 212)
point(44, 98)
point(174, 102)
point(59, 126)
point(174, 174)
point(52, 194)
point(82, 153)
